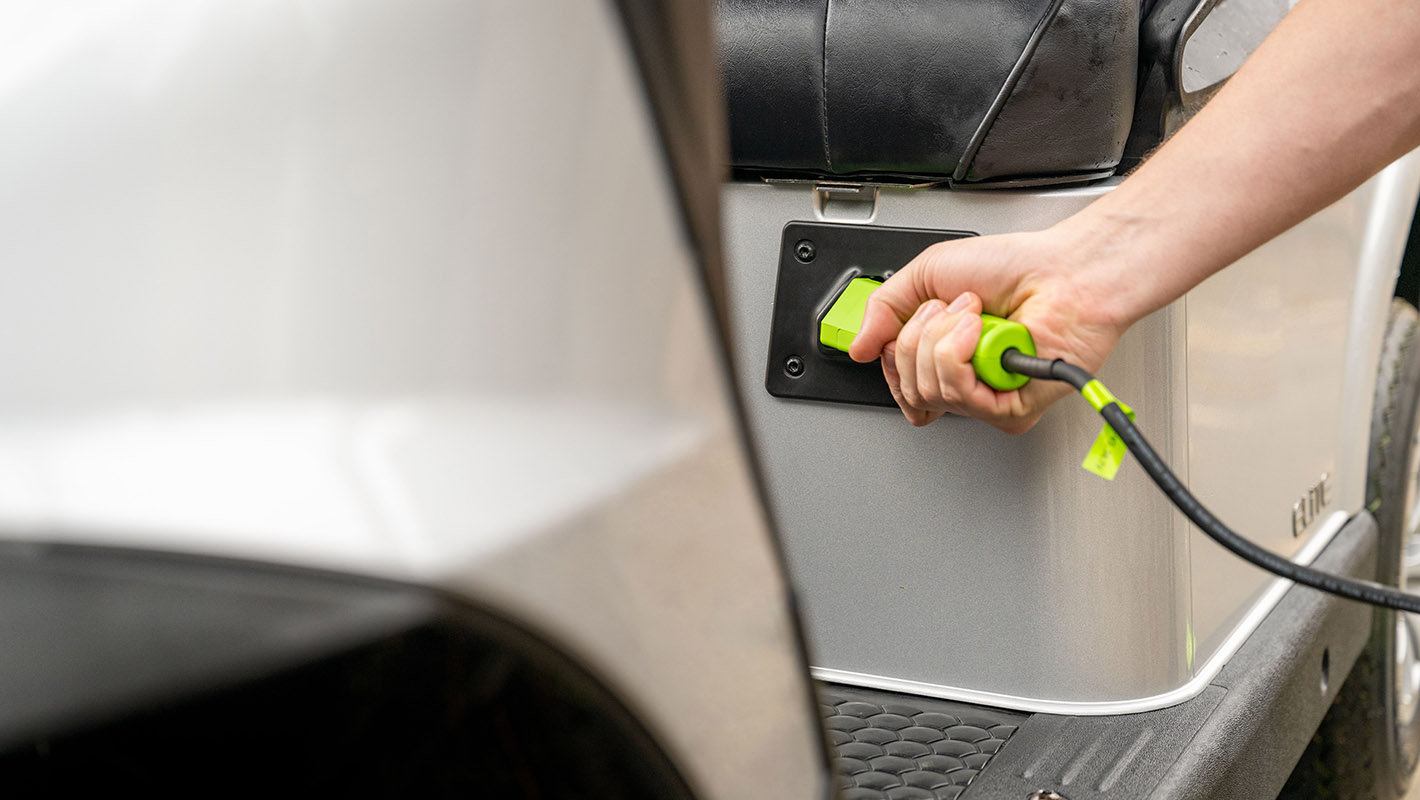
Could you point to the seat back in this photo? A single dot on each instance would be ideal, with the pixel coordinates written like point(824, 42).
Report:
point(965, 91)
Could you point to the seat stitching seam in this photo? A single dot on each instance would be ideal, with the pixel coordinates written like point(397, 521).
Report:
point(1007, 87)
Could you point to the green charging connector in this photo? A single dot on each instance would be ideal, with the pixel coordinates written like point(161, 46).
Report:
point(841, 324)
point(844, 319)
point(997, 336)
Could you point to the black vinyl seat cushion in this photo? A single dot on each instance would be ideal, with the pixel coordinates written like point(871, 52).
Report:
point(964, 91)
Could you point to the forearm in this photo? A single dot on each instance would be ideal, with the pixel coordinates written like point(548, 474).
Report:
point(1331, 97)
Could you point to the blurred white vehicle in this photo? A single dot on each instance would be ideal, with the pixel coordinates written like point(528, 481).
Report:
point(423, 398)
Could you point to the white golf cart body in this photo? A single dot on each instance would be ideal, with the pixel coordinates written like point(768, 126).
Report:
point(410, 291)
point(400, 290)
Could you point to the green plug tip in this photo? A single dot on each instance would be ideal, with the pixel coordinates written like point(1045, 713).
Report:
point(840, 326)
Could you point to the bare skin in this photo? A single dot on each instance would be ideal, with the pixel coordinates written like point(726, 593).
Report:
point(1330, 98)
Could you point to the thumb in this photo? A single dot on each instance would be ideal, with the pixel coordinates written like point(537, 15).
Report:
point(891, 305)
point(881, 325)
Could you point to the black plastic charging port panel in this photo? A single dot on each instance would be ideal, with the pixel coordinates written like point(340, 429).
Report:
point(816, 260)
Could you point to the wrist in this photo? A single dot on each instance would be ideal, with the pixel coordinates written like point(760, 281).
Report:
point(1103, 256)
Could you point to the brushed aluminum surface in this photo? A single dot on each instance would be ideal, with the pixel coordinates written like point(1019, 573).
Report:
point(1282, 354)
point(943, 560)
point(913, 561)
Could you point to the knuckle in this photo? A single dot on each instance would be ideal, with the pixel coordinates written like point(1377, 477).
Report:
point(931, 395)
point(906, 349)
point(936, 249)
point(942, 350)
point(949, 394)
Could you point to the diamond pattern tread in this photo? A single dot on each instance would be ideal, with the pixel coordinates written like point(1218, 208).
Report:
point(892, 746)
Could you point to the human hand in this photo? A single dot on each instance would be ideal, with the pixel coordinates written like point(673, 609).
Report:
point(925, 321)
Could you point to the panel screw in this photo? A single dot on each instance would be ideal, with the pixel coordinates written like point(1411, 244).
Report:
point(804, 251)
point(793, 366)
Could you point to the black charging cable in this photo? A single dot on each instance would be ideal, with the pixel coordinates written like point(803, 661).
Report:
point(1366, 591)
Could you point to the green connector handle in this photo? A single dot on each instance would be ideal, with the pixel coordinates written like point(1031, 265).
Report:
point(997, 336)
point(844, 319)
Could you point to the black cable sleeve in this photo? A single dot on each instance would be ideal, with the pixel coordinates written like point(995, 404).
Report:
point(1365, 591)
point(1055, 369)
point(1064, 371)
point(1015, 361)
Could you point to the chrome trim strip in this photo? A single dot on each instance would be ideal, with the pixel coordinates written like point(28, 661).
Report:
point(1259, 611)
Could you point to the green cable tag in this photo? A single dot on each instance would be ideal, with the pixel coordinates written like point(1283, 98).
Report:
point(1107, 453)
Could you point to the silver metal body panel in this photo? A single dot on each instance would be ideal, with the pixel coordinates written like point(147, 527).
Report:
point(1282, 354)
point(960, 562)
point(398, 289)
point(1219, 35)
